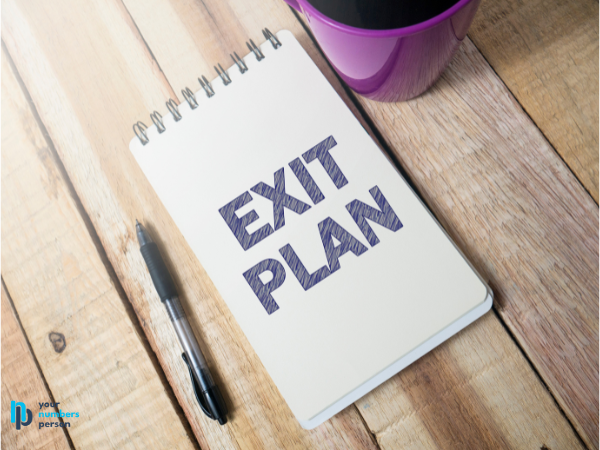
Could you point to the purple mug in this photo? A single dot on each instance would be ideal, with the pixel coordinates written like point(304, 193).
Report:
point(391, 65)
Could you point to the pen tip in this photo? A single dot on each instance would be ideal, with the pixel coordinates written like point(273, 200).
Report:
point(136, 222)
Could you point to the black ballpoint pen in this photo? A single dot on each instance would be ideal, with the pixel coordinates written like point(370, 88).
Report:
point(207, 393)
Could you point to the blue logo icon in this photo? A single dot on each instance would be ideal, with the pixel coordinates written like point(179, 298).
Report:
point(19, 414)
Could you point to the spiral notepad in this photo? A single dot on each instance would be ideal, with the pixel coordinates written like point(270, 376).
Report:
point(334, 269)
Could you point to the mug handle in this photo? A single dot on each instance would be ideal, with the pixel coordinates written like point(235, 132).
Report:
point(294, 4)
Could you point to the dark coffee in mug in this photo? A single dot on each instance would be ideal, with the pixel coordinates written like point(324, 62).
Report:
point(381, 14)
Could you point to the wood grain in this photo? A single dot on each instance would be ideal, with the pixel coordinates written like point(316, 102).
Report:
point(92, 139)
point(546, 52)
point(475, 391)
point(92, 355)
point(109, 66)
point(517, 212)
point(23, 382)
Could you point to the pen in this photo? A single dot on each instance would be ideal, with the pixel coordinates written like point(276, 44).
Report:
point(207, 393)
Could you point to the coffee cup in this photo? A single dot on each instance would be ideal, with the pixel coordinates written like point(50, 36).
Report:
point(391, 64)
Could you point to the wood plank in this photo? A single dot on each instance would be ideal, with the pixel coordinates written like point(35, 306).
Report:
point(23, 382)
point(517, 212)
point(547, 54)
point(181, 68)
point(88, 92)
point(451, 398)
point(113, 203)
point(92, 355)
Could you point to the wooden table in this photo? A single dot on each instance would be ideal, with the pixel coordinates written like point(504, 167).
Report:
point(503, 149)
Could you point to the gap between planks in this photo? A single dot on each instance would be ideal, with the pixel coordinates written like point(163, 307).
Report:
point(34, 359)
point(550, 144)
point(538, 375)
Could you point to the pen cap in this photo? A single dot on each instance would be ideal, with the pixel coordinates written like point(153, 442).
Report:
point(216, 404)
point(163, 282)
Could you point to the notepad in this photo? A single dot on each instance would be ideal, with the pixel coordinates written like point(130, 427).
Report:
point(334, 269)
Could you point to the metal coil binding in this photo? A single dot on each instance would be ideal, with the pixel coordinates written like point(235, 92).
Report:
point(223, 75)
point(239, 62)
point(157, 119)
point(139, 128)
point(140, 131)
point(206, 86)
point(190, 97)
point(271, 38)
point(174, 110)
point(254, 49)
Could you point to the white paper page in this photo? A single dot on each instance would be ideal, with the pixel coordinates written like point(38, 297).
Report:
point(325, 341)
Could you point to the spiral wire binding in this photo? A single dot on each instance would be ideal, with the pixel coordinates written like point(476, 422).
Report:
point(174, 110)
point(254, 49)
point(140, 131)
point(239, 62)
point(271, 38)
point(206, 86)
point(190, 97)
point(157, 119)
point(139, 128)
point(223, 75)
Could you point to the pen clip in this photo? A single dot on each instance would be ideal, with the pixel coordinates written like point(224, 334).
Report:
point(197, 389)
